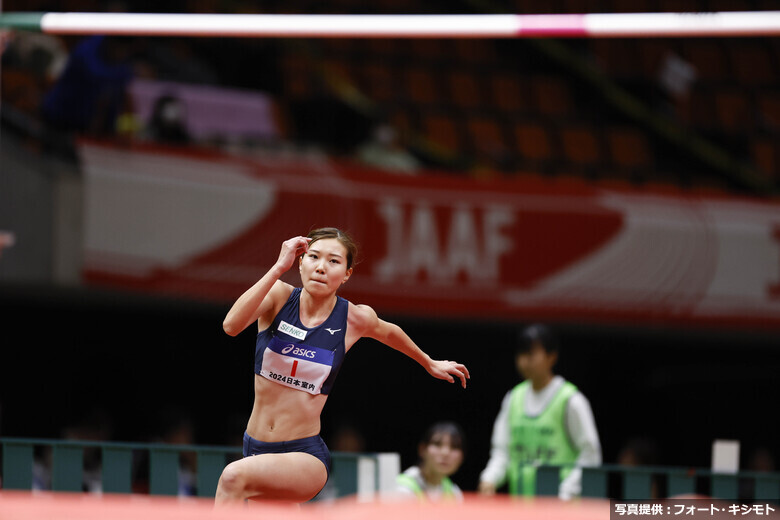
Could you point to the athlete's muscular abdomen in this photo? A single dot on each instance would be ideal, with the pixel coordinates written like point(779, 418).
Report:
point(281, 413)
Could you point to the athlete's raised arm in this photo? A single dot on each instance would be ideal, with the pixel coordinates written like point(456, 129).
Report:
point(366, 323)
point(267, 293)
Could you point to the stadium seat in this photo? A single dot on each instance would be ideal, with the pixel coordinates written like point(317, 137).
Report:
point(508, 93)
point(464, 89)
point(442, 129)
point(734, 111)
point(581, 145)
point(551, 96)
point(628, 148)
point(421, 86)
point(533, 142)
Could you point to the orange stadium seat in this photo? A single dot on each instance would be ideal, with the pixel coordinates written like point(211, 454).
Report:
point(475, 51)
point(581, 145)
point(551, 96)
point(508, 93)
point(421, 86)
point(734, 110)
point(616, 57)
point(651, 56)
point(764, 154)
point(628, 148)
point(388, 47)
point(433, 49)
point(297, 73)
point(769, 109)
point(708, 58)
point(443, 130)
point(486, 135)
point(464, 89)
point(381, 82)
point(752, 63)
point(533, 141)
point(702, 113)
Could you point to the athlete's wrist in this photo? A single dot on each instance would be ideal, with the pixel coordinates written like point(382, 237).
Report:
point(277, 270)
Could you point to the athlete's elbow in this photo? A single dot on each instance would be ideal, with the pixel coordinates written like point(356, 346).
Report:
point(231, 328)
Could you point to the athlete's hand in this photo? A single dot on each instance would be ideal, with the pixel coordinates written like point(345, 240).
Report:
point(292, 249)
point(447, 369)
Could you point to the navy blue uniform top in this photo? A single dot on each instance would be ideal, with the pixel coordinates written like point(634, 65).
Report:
point(304, 358)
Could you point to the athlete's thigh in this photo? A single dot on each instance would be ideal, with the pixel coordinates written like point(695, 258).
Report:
point(283, 476)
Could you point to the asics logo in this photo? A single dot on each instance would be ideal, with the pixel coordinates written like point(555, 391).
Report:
point(332, 332)
point(298, 351)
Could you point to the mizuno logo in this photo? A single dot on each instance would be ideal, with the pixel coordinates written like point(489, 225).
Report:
point(332, 332)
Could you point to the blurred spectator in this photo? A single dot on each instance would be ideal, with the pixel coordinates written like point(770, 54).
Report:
point(638, 452)
point(347, 438)
point(95, 427)
point(41, 470)
point(7, 239)
point(383, 150)
point(178, 429)
point(759, 460)
point(441, 452)
point(543, 420)
point(168, 123)
point(44, 55)
point(675, 75)
point(5, 40)
point(91, 92)
point(676, 78)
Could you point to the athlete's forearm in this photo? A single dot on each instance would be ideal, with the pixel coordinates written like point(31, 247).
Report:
point(396, 338)
point(247, 308)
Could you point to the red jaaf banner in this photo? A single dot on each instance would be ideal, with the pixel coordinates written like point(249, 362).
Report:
point(207, 226)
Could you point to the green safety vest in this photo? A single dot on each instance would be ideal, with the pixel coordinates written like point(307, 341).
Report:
point(410, 483)
point(539, 440)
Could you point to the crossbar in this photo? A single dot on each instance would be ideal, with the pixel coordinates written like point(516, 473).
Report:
point(589, 25)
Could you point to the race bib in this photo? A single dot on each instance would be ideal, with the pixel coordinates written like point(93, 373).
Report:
point(296, 365)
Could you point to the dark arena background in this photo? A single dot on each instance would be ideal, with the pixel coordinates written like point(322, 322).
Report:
point(623, 190)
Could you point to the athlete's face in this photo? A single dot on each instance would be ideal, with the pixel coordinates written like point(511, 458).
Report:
point(324, 266)
point(440, 456)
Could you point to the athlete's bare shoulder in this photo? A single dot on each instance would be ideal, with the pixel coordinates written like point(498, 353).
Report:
point(282, 290)
point(361, 319)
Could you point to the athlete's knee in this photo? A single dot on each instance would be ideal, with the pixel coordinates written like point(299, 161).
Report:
point(232, 483)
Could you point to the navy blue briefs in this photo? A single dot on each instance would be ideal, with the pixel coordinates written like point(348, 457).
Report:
point(313, 445)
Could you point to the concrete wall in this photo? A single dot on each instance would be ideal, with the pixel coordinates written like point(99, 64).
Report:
point(41, 204)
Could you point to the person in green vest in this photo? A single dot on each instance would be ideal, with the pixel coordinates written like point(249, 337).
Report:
point(544, 420)
point(441, 454)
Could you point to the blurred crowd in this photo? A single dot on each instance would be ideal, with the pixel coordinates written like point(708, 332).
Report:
point(482, 118)
point(56, 88)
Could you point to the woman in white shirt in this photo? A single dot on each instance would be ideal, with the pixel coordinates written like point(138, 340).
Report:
point(523, 410)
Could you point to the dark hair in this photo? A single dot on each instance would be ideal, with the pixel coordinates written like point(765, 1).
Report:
point(347, 241)
point(455, 432)
point(537, 334)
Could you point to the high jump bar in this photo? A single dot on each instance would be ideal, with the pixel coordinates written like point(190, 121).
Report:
point(591, 25)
